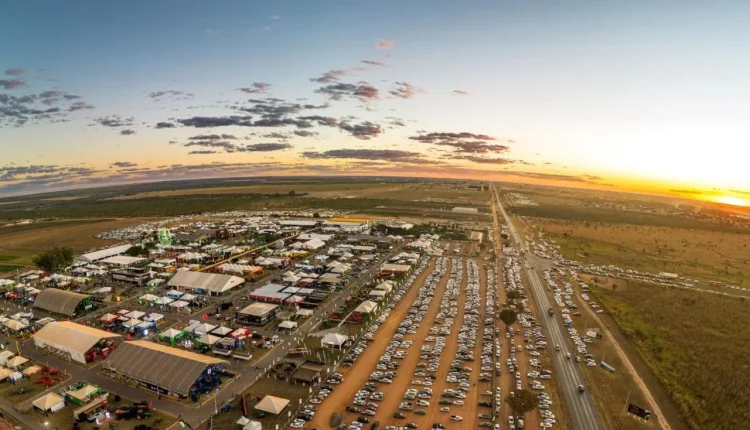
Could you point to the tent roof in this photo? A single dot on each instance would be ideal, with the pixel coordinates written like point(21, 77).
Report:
point(47, 402)
point(209, 339)
point(170, 332)
point(272, 404)
point(205, 281)
point(221, 331)
point(334, 339)
point(288, 324)
point(71, 336)
point(171, 368)
point(17, 361)
point(58, 301)
point(366, 307)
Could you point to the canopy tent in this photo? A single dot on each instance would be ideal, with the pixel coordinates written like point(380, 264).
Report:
point(164, 301)
point(174, 294)
point(131, 323)
point(333, 340)
point(240, 333)
point(208, 339)
point(378, 294)
point(136, 314)
point(16, 361)
point(288, 325)
point(188, 297)
point(4, 373)
point(149, 297)
point(172, 334)
point(154, 317)
point(50, 403)
point(123, 312)
point(221, 331)
point(108, 317)
point(5, 355)
point(272, 405)
point(31, 370)
point(305, 312)
point(15, 325)
point(203, 329)
point(366, 307)
point(179, 304)
point(144, 325)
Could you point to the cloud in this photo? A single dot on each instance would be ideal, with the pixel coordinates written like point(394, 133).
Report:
point(203, 152)
point(212, 137)
point(330, 76)
point(364, 131)
point(223, 144)
point(256, 88)
point(404, 90)
point(266, 147)
point(127, 132)
point(277, 109)
point(275, 17)
point(164, 125)
point(15, 72)
point(321, 120)
point(362, 91)
point(80, 106)
point(390, 155)
point(207, 121)
point(374, 63)
point(557, 177)
point(462, 142)
point(114, 121)
point(484, 160)
point(10, 84)
point(210, 32)
point(385, 44)
point(304, 133)
point(170, 94)
point(460, 93)
point(123, 164)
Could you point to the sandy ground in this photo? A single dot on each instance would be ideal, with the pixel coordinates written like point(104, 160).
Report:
point(356, 376)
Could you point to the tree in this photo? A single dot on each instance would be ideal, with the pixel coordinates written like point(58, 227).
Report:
point(316, 215)
point(514, 295)
point(522, 401)
point(135, 251)
point(508, 316)
point(55, 259)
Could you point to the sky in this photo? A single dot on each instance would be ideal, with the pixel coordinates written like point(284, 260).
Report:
point(638, 95)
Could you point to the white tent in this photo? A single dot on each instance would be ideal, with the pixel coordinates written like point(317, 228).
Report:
point(179, 304)
point(209, 339)
point(288, 325)
point(49, 403)
point(187, 297)
point(135, 314)
point(164, 301)
point(305, 312)
point(154, 317)
point(149, 297)
point(203, 329)
point(247, 424)
point(131, 323)
point(221, 331)
point(377, 294)
point(366, 307)
point(333, 340)
point(272, 405)
point(17, 361)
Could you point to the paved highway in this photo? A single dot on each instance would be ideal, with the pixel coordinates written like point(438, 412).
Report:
point(581, 407)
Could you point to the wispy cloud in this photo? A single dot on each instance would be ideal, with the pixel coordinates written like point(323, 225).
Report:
point(256, 88)
point(460, 93)
point(362, 91)
point(15, 72)
point(10, 84)
point(330, 76)
point(404, 90)
point(385, 44)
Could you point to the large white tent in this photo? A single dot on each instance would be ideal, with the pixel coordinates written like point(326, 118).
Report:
point(333, 340)
point(272, 405)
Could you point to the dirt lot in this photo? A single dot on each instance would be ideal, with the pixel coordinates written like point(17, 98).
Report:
point(18, 247)
point(703, 254)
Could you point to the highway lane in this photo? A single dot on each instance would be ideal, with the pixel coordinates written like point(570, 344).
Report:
point(581, 407)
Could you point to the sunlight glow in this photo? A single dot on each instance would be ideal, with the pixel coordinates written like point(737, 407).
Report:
point(730, 200)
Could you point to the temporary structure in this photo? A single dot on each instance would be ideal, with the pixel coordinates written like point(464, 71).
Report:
point(16, 361)
point(305, 312)
point(32, 370)
point(172, 334)
point(49, 403)
point(179, 304)
point(164, 301)
point(288, 325)
point(208, 340)
point(221, 331)
point(272, 405)
point(108, 317)
point(203, 329)
point(333, 340)
point(136, 314)
point(366, 307)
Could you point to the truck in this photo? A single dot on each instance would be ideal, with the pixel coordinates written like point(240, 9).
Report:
point(550, 311)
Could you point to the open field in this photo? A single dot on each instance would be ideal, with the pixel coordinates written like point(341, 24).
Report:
point(702, 254)
point(18, 246)
point(695, 343)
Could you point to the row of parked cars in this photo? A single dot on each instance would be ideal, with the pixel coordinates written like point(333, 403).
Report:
point(535, 342)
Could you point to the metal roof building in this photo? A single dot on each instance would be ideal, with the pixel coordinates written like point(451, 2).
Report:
point(161, 366)
point(209, 283)
point(71, 338)
point(61, 302)
point(104, 253)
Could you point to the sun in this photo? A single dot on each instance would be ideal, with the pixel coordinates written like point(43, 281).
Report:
point(731, 200)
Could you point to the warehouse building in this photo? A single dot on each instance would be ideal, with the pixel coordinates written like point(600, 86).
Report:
point(257, 313)
point(104, 253)
point(62, 302)
point(205, 283)
point(162, 368)
point(78, 342)
point(395, 269)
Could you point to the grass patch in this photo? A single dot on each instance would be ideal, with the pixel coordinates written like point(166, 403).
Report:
point(696, 344)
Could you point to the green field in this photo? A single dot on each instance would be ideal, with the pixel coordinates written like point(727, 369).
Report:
point(697, 345)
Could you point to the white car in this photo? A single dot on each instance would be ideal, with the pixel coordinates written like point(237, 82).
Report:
point(457, 418)
point(458, 402)
point(445, 409)
point(298, 424)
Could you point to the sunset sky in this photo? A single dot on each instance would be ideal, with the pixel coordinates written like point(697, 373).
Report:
point(635, 95)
